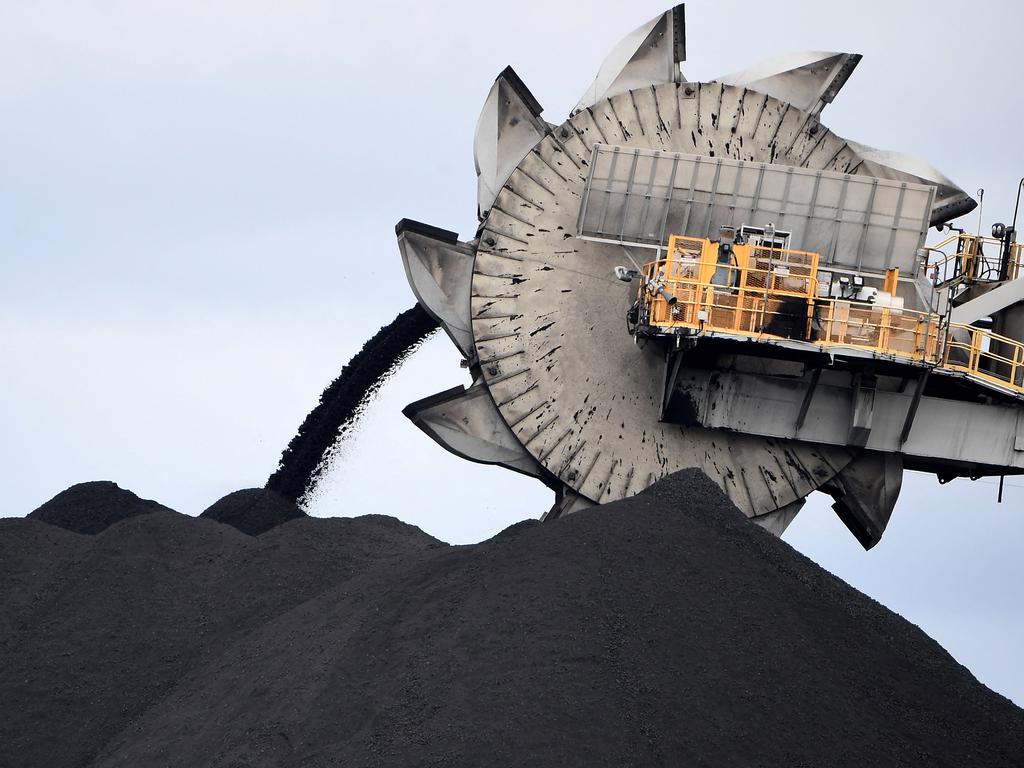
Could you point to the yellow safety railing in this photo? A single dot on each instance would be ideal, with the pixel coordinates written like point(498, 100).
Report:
point(773, 294)
point(883, 330)
point(985, 355)
point(825, 322)
point(975, 259)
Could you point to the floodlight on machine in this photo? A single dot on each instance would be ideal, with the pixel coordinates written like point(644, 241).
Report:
point(625, 274)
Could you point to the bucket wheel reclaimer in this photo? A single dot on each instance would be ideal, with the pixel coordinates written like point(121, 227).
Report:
point(560, 390)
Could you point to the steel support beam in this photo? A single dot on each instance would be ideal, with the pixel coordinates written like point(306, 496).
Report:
point(864, 386)
point(915, 403)
point(944, 430)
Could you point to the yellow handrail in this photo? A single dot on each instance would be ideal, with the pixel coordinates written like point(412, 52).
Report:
point(969, 262)
point(773, 294)
point(710, 308)
point(989, 356)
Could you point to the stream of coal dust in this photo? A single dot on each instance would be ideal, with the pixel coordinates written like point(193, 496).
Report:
point(308, 454)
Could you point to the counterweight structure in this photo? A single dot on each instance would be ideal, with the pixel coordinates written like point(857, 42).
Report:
point(688, 274)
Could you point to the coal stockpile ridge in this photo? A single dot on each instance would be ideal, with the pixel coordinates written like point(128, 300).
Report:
point(661, 630)
point(340, 405)
point(253, 510)
point(92, 507)
point(97, 629)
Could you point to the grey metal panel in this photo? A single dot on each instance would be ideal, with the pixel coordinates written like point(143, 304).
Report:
point(440, 272)
point(943, 430)
point(641, 196)
point(649, 55)
point(509, 126)
point(950, 200)
point(778, 521)
point(465, 422)
point(808, 80)
point(989, 303)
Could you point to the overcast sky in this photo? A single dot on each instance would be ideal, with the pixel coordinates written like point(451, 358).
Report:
point(197, 203)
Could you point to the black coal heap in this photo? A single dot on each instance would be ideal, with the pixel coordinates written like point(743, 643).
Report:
point(93, 507)
point(661, 630)
point(253, 510)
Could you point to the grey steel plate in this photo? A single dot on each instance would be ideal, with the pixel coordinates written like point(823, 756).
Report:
point(641, 196)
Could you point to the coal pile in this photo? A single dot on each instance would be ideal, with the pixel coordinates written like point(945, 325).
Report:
point(309, 452)
point(93, 507)
point(253, 511)
point(660, 630)
point(97, 629)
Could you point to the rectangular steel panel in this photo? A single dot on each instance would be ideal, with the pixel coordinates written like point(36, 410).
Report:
point(641, 196)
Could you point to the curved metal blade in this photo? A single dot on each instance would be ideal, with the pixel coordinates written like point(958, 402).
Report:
point(950, 200)
point(467, 423)
point(649, 55)
point(865, 493)
point(509, 126)
point(567, 502)
point(808, 80)
point(778, 521)
point(440, 272)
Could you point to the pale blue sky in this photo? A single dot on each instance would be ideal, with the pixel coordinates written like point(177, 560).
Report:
point(197, 204)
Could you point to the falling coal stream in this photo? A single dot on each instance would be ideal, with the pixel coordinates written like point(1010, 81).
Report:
point(308, 454)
